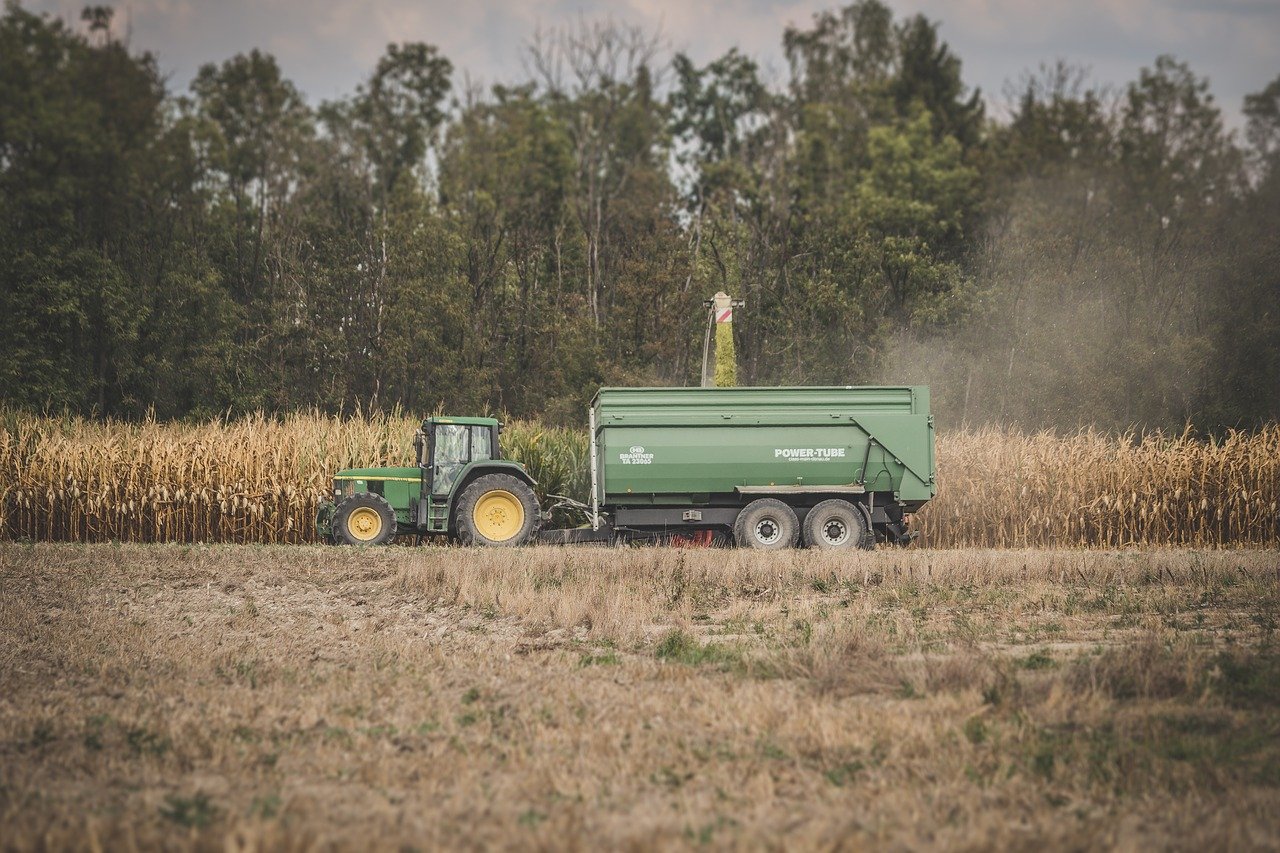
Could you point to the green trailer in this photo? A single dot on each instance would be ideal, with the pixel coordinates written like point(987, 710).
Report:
point(827, 467)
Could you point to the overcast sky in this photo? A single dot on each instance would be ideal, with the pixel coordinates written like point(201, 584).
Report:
point(327, 46)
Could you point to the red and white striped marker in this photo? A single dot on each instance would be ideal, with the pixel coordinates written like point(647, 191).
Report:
point(724, 316)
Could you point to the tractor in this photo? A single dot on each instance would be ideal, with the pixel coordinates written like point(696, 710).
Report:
point(461, 489)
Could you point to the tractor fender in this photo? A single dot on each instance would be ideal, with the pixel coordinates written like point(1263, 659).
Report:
point(479, 469)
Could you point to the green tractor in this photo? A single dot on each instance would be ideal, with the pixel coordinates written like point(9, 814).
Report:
point(461, 488)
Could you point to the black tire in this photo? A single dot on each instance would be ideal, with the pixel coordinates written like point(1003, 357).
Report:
point(868, 536)
point(768, 524)
point(353, 520)
point(324, 518)
point(838, 524)
point(478, 525)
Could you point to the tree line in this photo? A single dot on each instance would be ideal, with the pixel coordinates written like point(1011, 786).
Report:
point(1098, 255)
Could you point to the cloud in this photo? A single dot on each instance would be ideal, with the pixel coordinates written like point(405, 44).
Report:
point(328, 46)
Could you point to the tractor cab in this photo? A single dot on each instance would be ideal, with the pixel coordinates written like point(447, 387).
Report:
point(446, 446)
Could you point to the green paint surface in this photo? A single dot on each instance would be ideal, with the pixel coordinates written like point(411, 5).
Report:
point(668, 445)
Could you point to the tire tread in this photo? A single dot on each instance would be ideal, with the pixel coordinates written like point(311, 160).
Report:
point(742, 524)
point(466, 532)
point(359, 499)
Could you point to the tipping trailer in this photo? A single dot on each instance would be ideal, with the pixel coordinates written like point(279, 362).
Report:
point(826, 467)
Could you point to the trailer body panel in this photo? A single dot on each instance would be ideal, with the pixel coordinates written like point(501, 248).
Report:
point(700, 446)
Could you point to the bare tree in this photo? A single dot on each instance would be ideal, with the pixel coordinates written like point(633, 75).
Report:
point(595, 72)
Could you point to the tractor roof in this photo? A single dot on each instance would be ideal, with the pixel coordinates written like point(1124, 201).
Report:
point(491, 422)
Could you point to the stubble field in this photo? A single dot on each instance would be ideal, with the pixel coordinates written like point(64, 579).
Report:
point(254, 697)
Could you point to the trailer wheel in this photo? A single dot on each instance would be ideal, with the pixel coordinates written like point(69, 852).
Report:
point(836, 524)
point(364, 519)
point(497, 509)
point(768, 524)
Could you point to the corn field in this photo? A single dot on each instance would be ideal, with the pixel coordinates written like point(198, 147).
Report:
point(258, 479)
point(1008, 489)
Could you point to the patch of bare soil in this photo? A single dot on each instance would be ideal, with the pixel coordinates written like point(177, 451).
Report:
point(244, 697)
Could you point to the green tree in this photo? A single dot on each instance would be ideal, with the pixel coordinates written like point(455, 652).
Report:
point(375, 220)
point(914, 201)
point(256, 132)
point(1094, 259)
point(881, 203)
point(598, 80)
point(928, 76)
point(79, 121)
point(731, 137)
point(505, 176)
point(1244, 389)
point(398, 111)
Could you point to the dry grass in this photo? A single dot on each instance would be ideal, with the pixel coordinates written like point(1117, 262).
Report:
point(258, 480)
point(246, 697)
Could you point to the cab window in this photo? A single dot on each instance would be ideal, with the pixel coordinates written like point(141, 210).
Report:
point(453, 451)
point(481, 443)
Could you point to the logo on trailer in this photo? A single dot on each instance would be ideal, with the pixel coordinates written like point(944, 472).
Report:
point(808, 454)
point(636, 456)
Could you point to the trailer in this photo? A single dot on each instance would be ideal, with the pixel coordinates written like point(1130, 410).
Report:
point(827, 467)
point(769, 468)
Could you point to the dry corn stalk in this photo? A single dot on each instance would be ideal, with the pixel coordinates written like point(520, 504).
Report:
point(258, 479)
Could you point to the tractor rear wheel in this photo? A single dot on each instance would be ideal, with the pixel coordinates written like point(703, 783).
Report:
point(766, 523)
point(497, 509)
point(835, 524)
point(364, 519)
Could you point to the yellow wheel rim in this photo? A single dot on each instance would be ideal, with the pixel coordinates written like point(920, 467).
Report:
point(498, 515)
point(364, 524)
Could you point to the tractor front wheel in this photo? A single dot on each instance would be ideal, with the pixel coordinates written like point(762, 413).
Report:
point(364, 519)
point(497, 509)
